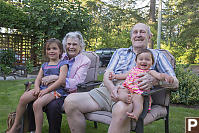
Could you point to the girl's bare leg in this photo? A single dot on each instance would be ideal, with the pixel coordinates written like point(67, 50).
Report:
point(38, 110)
point(138, 106)
point(124, 95)
point(26, 98)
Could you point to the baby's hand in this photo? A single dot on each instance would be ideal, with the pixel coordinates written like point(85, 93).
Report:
point(112, 75)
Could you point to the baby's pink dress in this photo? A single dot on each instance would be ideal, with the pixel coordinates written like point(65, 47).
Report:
point(131, 86)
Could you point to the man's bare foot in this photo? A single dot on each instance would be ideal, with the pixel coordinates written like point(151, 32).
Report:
point(132, 115)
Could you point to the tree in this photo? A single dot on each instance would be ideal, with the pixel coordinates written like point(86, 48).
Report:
point(152, 18)
point(181, 29)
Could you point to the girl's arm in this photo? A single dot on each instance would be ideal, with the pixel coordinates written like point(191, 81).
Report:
point(38, 82)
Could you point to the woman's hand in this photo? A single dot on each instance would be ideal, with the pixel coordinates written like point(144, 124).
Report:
point(146, 81)
point(49, 79)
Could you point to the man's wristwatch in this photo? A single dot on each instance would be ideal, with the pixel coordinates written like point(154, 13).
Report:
point(160, 83)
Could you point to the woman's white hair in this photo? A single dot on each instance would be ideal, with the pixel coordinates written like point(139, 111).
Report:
point(75, 34)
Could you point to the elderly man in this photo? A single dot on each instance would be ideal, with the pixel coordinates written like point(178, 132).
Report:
point(106, 96)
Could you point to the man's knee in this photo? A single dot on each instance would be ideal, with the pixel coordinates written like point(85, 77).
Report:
point(70, 103)
point(120, 108)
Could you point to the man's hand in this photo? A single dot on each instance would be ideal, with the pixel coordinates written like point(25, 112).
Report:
point(168, 79)
point(114, 94)
point(111, 76)
point(49, 79)
point(146, 81)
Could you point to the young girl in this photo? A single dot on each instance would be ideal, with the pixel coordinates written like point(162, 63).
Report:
point(144, 60)
point(43, 94)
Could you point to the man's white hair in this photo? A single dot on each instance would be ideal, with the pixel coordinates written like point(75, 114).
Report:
point(148, 29)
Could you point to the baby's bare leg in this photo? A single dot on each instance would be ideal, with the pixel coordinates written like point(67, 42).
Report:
point(138, 106)
point(124, 95)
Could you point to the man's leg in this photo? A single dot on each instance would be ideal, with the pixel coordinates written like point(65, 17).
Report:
point(124, 95)
point(138, 101)
point(120, 123)
point(54, 114)
point(75, 105)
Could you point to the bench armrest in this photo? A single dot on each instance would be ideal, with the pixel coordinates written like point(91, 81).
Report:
point(87, 86)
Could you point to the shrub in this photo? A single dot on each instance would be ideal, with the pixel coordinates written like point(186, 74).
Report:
point(29, 66)
point(7, 60)
point(7, 57)
point(188, 92)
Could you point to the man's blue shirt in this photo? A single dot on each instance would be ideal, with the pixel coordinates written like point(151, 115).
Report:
point(124, 59)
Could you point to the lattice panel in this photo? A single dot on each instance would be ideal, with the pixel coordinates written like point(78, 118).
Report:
point(21, 45)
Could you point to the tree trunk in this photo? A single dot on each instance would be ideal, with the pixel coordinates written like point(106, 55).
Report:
point(152, 11)
point(152, 19)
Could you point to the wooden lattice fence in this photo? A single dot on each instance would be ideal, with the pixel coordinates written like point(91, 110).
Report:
point(23, 46)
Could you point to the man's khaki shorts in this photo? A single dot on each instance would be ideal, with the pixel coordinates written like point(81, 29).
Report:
point(102, 96)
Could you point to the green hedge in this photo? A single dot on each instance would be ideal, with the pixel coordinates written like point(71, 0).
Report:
point(188, 92)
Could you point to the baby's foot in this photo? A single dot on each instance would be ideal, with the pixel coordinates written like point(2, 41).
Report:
point(132, 115)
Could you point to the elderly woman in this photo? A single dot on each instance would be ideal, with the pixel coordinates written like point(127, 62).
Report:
point(73, 44)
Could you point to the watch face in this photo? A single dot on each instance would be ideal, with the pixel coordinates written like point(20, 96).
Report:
point(160, 83)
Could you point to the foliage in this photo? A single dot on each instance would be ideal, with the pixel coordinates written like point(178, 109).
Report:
point(7, 59)
point(188, 86)
point(45, 19)
point(5, 70)
point(29, 66)
point(11, 16)
point(54, 18)
point(111, 24)
point(181, 29)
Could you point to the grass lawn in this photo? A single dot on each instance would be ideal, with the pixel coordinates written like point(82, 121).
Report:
point(10, 92)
